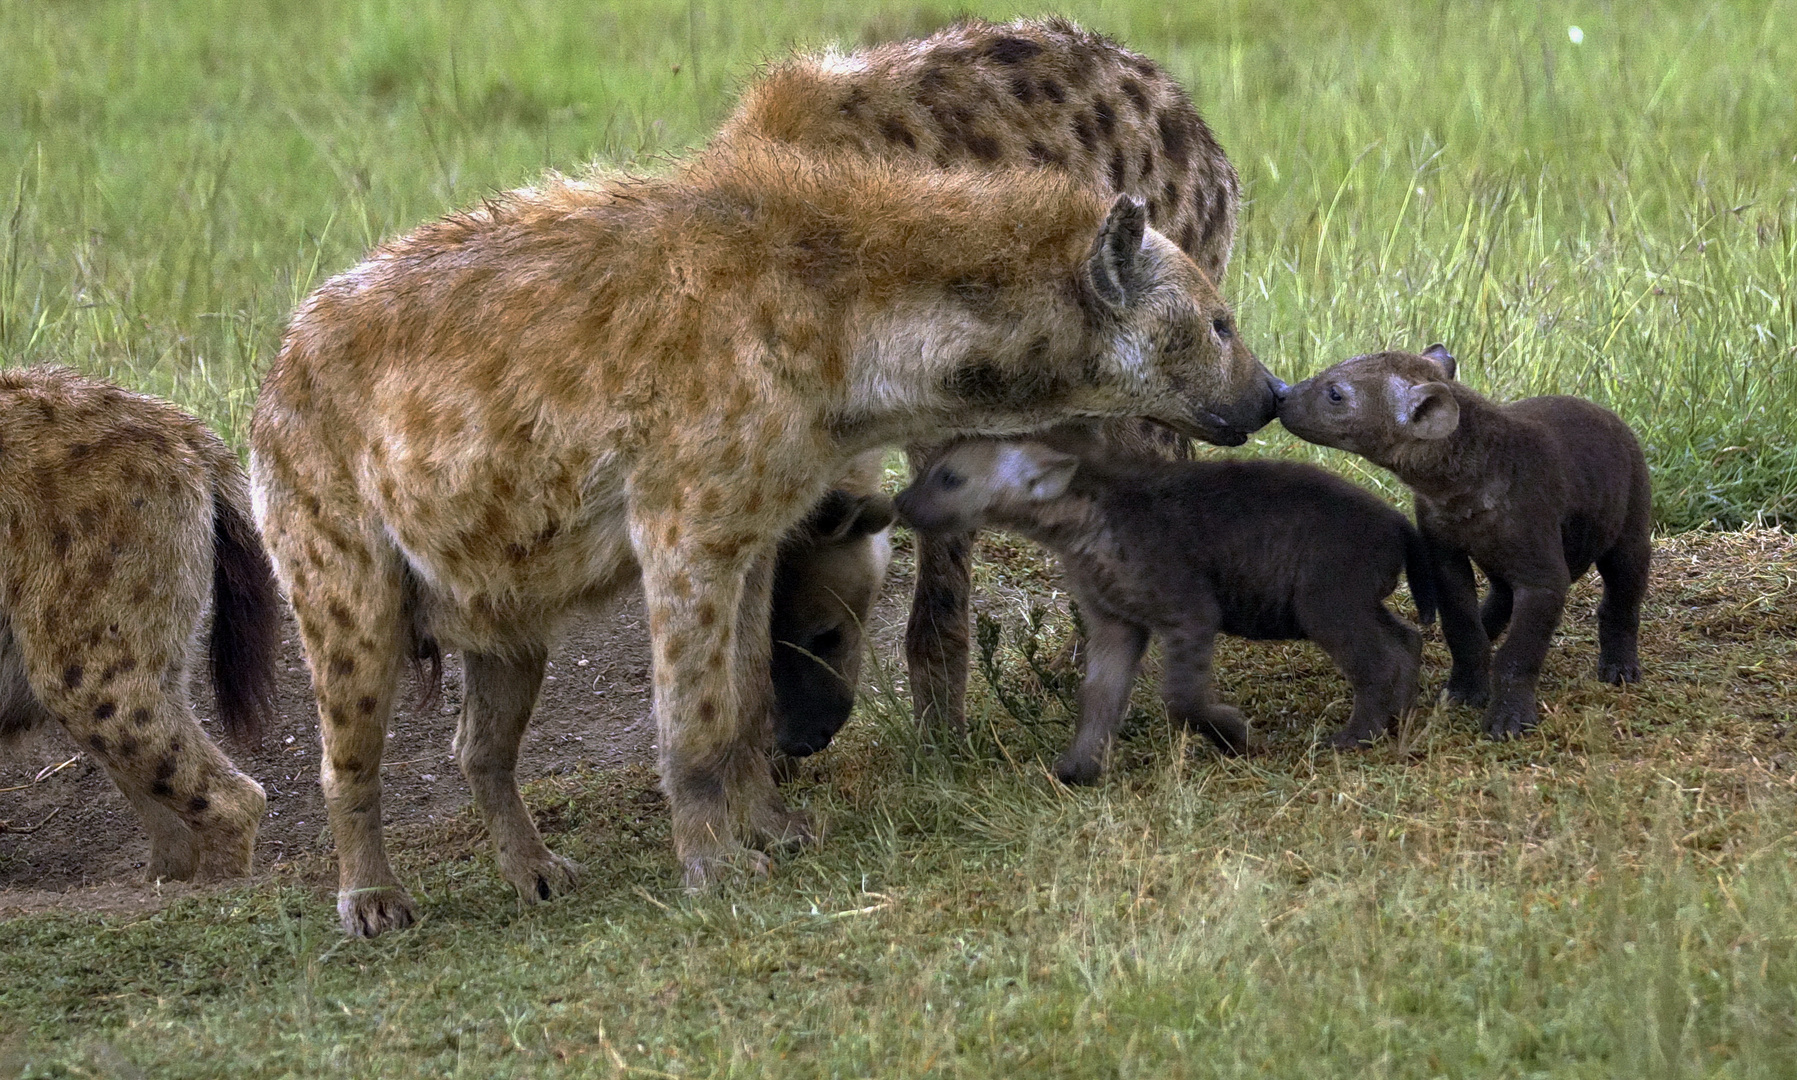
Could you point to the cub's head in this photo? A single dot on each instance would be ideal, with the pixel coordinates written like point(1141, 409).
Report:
point(1376, 405)
point(1169, 337)
point(982, 479)
point(826, 580)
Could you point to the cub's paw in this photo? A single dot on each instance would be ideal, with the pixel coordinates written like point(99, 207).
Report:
point(1509, 719)
point(701, 872)
point(1353, 738)
point(542, 877)
point(1617, 672)
point(1467, 692)
point(373, 911)
point(1223, 725)
point(1078, 771)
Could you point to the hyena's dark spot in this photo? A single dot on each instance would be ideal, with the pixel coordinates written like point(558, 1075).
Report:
point(72, 676)
point(104, 710)
point(365, 706)
point(141, 717)
point(342, 665)
point(1012, 50)
point(1133, 91)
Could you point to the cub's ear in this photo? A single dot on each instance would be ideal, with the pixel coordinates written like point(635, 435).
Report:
point(1428, 411)
point(1443, 359)
point(1034, 471)
point(1118, 266)
point(842, 516)
point(877, 513)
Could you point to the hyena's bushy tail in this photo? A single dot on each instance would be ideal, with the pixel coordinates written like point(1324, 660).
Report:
point(246, 619)
point(1419, 567)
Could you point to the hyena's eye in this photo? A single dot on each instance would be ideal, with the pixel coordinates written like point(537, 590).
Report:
point(949, 480)
point(1224, 328)
point(1335, 394)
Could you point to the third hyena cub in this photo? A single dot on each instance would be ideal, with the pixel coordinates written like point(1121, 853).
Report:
point(1260, 549)
point(1535, 492)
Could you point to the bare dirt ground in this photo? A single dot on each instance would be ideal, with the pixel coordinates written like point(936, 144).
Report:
point(69, 840)
point(1718, 628)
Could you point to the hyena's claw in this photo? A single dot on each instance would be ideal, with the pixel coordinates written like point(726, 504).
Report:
point(543, 879)
point(704, 871)
point(373, 911)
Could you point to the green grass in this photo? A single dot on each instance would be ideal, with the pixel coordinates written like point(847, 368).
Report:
point(1615, 218)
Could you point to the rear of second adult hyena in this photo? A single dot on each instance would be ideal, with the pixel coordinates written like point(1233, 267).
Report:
point(1025, 94)
point(122, 515)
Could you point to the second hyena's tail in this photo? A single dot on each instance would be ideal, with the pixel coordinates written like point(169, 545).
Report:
point(1419, 567)
point(245, 619)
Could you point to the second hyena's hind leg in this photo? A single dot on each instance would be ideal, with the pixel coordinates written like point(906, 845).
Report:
point(501, 691)
point(126, 706)
point(1625, 570)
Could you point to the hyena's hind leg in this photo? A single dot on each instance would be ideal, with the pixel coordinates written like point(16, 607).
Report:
point(123, 699)
point(348, 594)
point(501, 691)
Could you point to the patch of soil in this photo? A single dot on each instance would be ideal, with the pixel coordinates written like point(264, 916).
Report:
point(71, 840)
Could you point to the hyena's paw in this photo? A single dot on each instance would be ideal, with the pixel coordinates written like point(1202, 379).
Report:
point(1355, 737)
point(774, 827)
point(373, 911)
point(1078, 771)
point(1617, 672)
point(172, 857)
point(701, 872)
point(1225, 726)
point(226, 835)
point(1468, 690)
point(543, 875)
point(1509, 719)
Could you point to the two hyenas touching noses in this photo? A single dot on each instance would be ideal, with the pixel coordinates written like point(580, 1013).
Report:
point(512, 413)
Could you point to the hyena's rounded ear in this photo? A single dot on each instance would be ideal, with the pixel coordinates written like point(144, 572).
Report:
point(1118, 266)
point(1443, 359)
point(1428, 411)
point(877, 512)
point(842, 515)
point(1050, 473)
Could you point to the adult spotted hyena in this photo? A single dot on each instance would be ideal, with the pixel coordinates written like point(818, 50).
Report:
point(1026, 94)
point(505, 414)
point(122, 516)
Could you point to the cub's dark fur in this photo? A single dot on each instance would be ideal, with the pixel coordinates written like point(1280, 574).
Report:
point(1535, 492)
point(1182, 550)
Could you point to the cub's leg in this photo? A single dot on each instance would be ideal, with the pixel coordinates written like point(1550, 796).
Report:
point(1624, 569)
point(1469, 683)
point(1113, 651)
point(1494, 613)
point(936, 635)
point(501, 691)
point(1186, 682)
point(1517, 666)
point(1380, 657)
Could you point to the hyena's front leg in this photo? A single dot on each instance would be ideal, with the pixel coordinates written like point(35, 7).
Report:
point(501, 691)
point(714, 763)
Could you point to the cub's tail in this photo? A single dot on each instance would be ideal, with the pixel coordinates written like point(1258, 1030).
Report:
point(1420, 569)
point(245, 617)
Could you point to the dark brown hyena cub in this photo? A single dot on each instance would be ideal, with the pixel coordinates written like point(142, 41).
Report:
point(122, 515)
point(1268, 550)
point(1535, 492)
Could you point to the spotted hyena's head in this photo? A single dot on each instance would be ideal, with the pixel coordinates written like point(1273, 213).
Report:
point(984, 480)
point(1168, 337)
point(826, 581)
point(1376, 405)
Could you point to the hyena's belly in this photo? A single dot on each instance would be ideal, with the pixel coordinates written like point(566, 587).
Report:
point(503, 547)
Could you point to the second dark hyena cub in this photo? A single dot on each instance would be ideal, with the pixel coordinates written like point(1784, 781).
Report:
point(1269, 550)
point(1535, 492)
point(121, 517)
